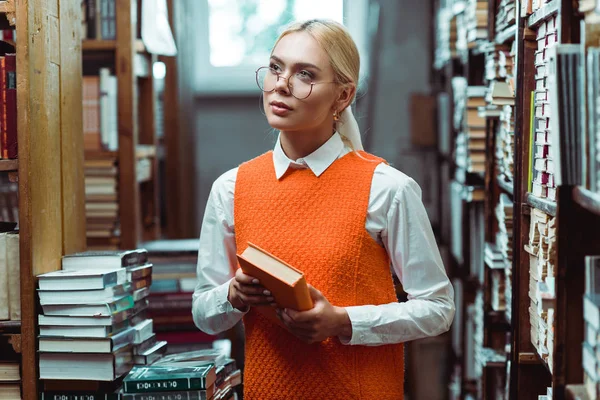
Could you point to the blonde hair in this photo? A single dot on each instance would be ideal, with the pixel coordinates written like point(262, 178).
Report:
point(343, 54)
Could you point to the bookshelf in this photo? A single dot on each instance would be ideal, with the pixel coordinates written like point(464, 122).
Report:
point(549, 355)
point(138, 201)
point(50, 164)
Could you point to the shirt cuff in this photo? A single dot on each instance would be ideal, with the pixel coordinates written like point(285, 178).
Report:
point(223, 305)
point(361, 324)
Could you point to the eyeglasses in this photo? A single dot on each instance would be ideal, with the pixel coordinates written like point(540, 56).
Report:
point(299, 84)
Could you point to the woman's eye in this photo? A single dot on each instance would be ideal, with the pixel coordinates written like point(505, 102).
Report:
point(304, 75)
point(275, 67)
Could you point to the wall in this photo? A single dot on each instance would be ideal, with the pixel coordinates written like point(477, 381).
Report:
point(227, 131)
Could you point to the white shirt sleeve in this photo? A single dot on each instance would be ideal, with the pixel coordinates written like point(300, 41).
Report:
point(410, 242)
point(211, 310)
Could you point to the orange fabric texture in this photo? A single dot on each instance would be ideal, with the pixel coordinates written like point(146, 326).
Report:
point(316, 224)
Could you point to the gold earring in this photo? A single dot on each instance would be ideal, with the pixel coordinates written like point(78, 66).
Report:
point(336, 116)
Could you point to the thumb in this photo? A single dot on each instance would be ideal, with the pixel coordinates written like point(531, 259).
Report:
point(314, 293)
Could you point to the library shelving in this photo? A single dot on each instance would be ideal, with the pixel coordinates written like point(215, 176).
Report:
point(534, 346)
point(126, 56)
point(50, 159)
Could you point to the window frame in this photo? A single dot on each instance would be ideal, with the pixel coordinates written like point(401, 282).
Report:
point(210, 81)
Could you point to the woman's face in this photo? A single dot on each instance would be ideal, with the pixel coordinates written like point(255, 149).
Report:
point(301, 59)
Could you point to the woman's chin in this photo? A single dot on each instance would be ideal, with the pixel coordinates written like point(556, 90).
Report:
point(280, 123)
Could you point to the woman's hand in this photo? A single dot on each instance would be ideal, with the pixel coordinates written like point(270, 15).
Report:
point(317, 324)
point(245, 291)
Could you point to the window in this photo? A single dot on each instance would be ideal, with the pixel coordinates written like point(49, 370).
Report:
point(237, 35)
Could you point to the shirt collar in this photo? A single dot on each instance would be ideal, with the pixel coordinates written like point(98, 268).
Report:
point(318, 161)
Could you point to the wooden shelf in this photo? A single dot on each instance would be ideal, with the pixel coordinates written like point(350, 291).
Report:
point(506, 35)
point(10, 327)
point(506, 186)
point(9, 165)
point(587, 199)
point(7, 7)
point(108, 45)
point(543, 13)
point(547, 206)
point(142, 151)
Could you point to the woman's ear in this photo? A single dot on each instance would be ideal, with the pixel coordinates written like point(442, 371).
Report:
point(345, 97)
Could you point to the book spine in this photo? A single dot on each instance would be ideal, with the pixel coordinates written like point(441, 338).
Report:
point(79, 396)
point(11, 106)
point(91, 19)
point(162, 385)
point(190, 395)
point(2, 105)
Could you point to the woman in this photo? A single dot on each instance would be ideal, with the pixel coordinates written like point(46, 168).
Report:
point(340, 215)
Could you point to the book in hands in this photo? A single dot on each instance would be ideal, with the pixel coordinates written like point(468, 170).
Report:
point(287, 284)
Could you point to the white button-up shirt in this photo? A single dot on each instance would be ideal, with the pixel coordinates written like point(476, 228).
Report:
point(396, 219)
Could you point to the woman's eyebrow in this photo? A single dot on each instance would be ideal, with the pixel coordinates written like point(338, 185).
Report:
point(302, 64)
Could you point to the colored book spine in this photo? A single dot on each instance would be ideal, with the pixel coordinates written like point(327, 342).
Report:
point(11, 107)
point(163, 385)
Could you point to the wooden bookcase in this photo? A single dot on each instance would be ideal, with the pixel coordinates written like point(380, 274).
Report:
point(138, 201)
point(577, 213)
point(50, 164)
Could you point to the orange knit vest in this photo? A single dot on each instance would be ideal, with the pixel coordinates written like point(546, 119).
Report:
point(316, 224)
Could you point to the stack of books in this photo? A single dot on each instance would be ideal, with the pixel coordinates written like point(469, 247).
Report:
point(446, 36)
point(10, 378)
point(478, 334)
point(593, 117)
point(93, 326)
point(100, 127)
point(496, 65)
point(504, 243)
point(204, 374)
point(461, 44)
point(505, 145)
point(476, 15)
point(497, 265)
point(459, 93)
point(591, 316)
point(542, 180)
point(101, 201)
point(470, 143)
point(566, 91)
point(173, 283)
point(506, 15)
point(542, 287)
point(589, 8)
point(146, 347)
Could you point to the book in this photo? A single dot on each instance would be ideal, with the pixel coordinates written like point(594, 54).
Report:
point(89, 331)
point(4, 298)
point(104, 259)
point(101, 309)
point(67, 320)
point(81, 279)
point(14, 274)
point(178, 395)
point(139, 272)
point(81, 396)
point(152, 354)
point(86, 345)
point(165, 378)
point(108, 294)
point(143, 331)
point(286, 283)
point(86, 366)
